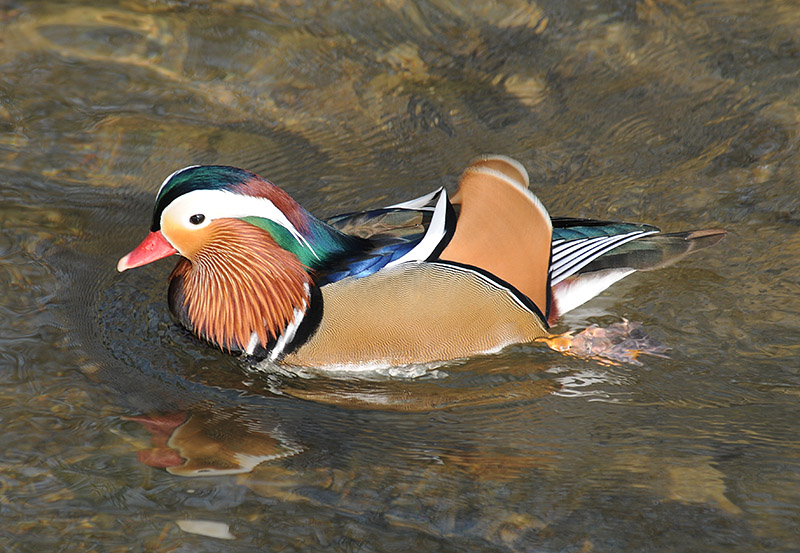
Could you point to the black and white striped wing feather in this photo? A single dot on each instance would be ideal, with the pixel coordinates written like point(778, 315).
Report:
point(570, 256)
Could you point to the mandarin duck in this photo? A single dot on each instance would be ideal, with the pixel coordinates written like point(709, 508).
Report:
point(430, 279)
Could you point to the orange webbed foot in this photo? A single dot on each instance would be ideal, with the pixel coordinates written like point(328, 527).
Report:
point(621, 342)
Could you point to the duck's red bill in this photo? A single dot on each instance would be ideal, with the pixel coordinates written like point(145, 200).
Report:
point(152, 248)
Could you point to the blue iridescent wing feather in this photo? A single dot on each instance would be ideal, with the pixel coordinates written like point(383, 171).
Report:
point(412, 231)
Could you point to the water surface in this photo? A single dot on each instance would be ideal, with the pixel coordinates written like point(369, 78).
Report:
point(121, 432)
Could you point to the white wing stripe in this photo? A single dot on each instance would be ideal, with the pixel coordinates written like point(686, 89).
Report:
point(433, 236)
point(562, 250)
point(592, 250)
point(568, 255)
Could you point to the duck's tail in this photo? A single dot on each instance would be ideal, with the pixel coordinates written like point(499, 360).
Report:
point(582, 268)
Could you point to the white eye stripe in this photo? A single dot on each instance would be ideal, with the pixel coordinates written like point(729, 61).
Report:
point(221, 204)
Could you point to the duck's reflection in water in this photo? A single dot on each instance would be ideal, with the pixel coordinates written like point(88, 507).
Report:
point(214, 439)
point(211, 443)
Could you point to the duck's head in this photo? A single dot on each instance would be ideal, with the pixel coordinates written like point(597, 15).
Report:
point(193, 203)
point(247, 250)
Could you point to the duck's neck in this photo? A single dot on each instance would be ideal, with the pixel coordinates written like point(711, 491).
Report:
point(315, 243)
point(241, 291)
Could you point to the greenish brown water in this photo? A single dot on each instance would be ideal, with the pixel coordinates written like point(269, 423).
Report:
point(681, 114)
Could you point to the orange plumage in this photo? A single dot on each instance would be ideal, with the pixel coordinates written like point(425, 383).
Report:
point(241, 282)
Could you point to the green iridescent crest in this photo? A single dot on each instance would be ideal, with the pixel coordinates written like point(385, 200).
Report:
point(196, 177)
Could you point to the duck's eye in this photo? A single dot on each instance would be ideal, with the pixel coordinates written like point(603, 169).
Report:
point(197, 218)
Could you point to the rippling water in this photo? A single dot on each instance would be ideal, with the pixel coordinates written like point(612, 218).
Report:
point(121, 432)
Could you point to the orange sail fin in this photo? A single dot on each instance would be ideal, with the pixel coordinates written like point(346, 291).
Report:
point(503, 228)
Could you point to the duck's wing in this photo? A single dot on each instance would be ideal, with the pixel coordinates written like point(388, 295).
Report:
point(591, 255)
point(416, 230)
point(653, 251)
point(407, 220)
point(579, 242)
